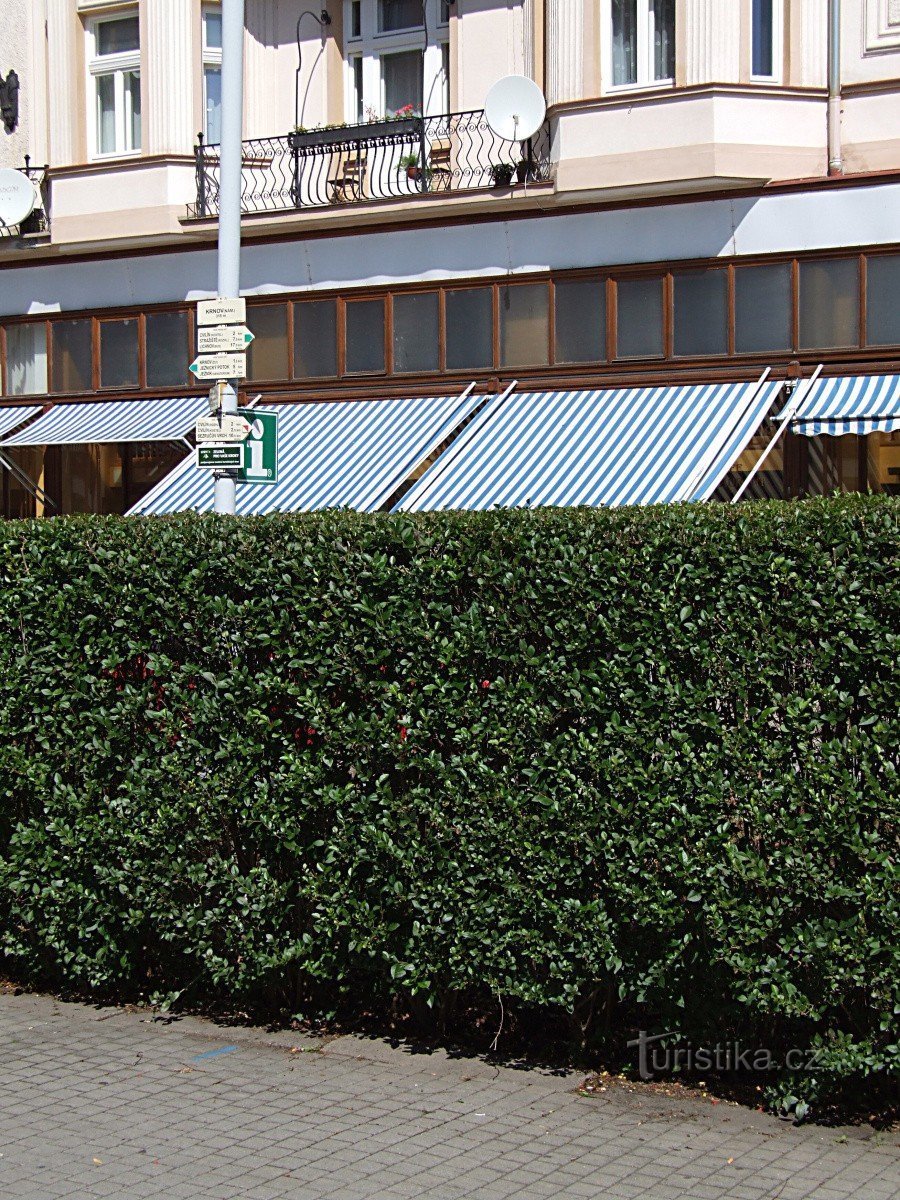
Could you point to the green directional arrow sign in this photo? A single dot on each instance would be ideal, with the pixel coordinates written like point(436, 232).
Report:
point(260, 449)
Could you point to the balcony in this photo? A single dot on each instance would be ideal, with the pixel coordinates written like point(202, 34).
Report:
point(397, 159)
point(38, 224)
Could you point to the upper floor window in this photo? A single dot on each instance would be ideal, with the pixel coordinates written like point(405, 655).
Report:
point(114, 64)
point(396, 57)
point(765, 41)
point(643, 41)
point(399, 14)
point(212, 75)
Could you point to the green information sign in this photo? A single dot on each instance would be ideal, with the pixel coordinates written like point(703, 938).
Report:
point(222, 455)
point(260, 448)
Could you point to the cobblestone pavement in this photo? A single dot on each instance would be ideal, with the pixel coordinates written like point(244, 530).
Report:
point(109, 1102)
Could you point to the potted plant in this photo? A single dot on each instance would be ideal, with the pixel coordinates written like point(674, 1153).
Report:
point(410, 164)
point(502, 173)
point(524, 170)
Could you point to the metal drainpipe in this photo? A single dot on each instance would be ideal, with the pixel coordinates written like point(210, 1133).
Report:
point(835, 155)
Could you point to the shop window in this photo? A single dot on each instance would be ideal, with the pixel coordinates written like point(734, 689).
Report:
point(639, 318)
point(365, 336)
point(18, 500)
point(90, 479)
point(580, 316)
point(768, 483)
point(829, 304)
point(883, 300)
point(167, 349)
point(834, 464)
point(470, 325)
point(762, 308)
point(71, 363)
point(268, 356)
point(114, 68)
point(144, 465)
point(119, 353)
point(701, 312)
point(524, 325)
point(315, 339)
point(643, 41)
point(416, 332)
point(883, 462)
point(26, 359)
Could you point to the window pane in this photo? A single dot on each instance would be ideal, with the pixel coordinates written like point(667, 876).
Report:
point(399, 14)
point(883, 300)
point(580, 320)
point(106, 114)
point(148, 463)
point(365, 336)
point(91, 478)
point(212, 78)
point(268, 356)
point(470, 324)
point(640, 318)
point(624, 41)
point(26, 359)
point(524, 325)
point(663, 15)
point(356, 19)
point(701, 312)
point(18, 500)
point(119, 353)
point(119, 36)
point(133, 84)
point(829, 303)
point(315, 338)
point(72, 356)
point(762, 37)
point(762, 308)
point(212, 28)
point(402, 75)
point(416, 332)
point(167, 349)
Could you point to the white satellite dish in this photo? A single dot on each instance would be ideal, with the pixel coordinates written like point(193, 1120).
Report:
point(18, 197)
point(515, 108)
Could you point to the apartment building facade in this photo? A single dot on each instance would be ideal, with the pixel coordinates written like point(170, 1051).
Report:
point(616, 310)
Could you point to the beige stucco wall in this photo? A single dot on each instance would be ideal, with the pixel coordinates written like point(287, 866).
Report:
point(16, 53)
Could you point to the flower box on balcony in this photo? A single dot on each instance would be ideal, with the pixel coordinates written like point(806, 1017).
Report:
point(404, 130)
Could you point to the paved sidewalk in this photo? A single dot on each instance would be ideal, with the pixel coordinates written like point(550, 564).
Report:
point(108, 1102)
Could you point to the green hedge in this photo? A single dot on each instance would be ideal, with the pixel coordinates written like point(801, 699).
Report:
point(636, 763)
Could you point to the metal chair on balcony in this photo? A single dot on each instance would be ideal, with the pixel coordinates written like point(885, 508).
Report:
point(440, 170)
point(348, 179)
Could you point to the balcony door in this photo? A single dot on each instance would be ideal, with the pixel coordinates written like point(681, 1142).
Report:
point(397, 58)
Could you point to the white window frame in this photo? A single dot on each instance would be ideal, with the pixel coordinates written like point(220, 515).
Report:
point(777, 42)
point(212, 58)
point(118, 66)
point(372, 45)
point(644, 81)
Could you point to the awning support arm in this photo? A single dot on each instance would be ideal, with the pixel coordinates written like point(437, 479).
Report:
point(27, 482)
point(798, 396)
point(704, 468)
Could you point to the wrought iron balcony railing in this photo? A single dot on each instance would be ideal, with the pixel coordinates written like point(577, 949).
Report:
point(353, 164)
point(39, 221)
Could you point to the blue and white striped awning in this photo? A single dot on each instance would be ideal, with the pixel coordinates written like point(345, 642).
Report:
point(624, 446)
point(10, 418)
point(113, 421)
point(849, 404)
point(339, 454)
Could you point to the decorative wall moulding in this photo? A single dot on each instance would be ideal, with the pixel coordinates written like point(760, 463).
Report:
point(882, 25)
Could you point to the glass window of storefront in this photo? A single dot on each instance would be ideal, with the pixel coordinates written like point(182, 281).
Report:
point(580, 316)
point(639, 313)
point(315, 339)
point(416, 332)
point(762, 308)
point(829, 303)
point(524, 325)
point(26, 359)
point(119, 353)
point(470, 325)
point(701, 312)
point(72, 356)
point(167, 349)
point(365, 336)
point(268, 357)
point(883, 300)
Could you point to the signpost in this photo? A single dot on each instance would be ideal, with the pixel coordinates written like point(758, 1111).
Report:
point(219, 366)
point(230, 427)
point(222, 312)
point(219, 339)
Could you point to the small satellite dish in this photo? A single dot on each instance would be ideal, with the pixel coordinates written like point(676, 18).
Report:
point(515, 108)
point(18, 197)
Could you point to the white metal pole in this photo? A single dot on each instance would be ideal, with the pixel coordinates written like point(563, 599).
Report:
point(835, 151)
point(230, 155)
point(802, 390)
